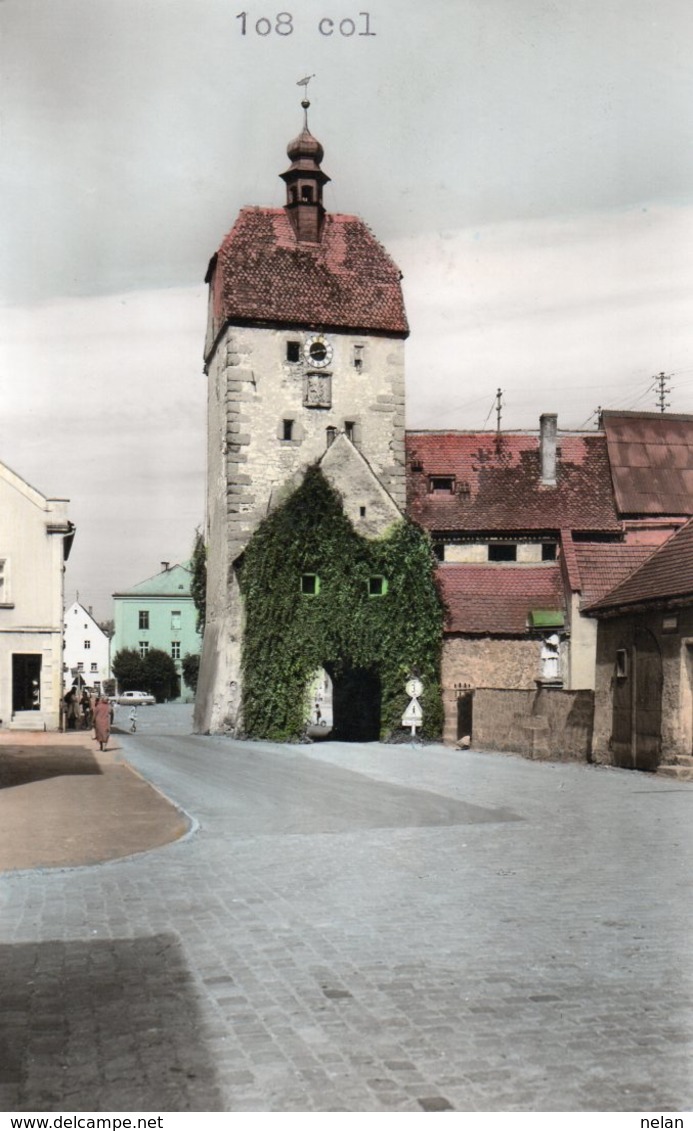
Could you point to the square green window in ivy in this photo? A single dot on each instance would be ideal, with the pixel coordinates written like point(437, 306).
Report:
point(310, 584)
point(377, 586)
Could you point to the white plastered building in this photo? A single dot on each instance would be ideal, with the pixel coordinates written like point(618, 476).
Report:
point(35, 540)
point(87, 651)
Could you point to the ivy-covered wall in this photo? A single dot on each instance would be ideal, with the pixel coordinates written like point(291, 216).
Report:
point(289, 635)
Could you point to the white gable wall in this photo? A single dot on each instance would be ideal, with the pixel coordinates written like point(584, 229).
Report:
point(80, 629)
point(32, 531)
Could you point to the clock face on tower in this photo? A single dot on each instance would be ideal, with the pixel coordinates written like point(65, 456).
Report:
point(317, 351)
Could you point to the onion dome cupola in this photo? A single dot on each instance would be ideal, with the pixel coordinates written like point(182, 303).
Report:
point(304, 183)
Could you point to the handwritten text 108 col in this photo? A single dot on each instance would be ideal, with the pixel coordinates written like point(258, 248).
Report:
point(283, 24)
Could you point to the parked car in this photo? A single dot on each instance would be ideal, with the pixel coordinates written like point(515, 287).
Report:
point(133, 698)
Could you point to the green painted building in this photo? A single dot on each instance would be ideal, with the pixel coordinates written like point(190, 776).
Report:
point(159, 613)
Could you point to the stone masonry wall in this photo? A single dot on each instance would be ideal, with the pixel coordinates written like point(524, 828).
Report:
point(676, 649)
point(252, 390)
point(543, 724)
point(486, 661)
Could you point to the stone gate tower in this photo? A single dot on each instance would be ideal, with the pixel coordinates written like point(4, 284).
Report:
point(304, 348)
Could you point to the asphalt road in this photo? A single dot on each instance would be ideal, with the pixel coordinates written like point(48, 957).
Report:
point(363, 928)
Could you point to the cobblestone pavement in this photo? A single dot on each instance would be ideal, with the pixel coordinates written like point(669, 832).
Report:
point(362, 928)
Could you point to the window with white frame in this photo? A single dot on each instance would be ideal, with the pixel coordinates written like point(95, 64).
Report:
point(175, 620)
point(4, 581)
point(175, 649)
point(144, 647)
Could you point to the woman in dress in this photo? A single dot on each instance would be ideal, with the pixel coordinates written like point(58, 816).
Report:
point(102, 721)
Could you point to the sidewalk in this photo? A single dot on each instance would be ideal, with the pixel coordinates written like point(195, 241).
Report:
point(64, 804)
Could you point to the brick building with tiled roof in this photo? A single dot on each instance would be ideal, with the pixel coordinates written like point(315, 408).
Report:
point(531, 528)
point(507, 513)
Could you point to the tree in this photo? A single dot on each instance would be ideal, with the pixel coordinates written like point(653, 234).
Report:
point(128, 668)
point(198, 584)
point(160, 676)
point(107, 627)
point(191, 669)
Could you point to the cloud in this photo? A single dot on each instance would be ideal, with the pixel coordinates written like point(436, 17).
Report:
point(104, 403)
point(562, 314)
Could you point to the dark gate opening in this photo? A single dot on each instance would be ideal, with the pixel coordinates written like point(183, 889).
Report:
point(356, 699)
point(465, 704)
point(26, 681)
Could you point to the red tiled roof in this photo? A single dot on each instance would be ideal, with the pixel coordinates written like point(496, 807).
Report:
point(651, 456)
point(666, 574)
point(497, 598)
point(498, 482)
point(603, 565)
point(262, 273)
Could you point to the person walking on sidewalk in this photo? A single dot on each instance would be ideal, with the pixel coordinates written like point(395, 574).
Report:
point(102, 721)
point(133, 719)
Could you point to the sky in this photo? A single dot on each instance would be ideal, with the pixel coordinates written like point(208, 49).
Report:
point(527, 163)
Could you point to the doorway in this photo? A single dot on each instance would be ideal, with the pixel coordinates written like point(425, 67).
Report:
point(465, 702)
point(356, 699)
point(26, 682)
point(636, 735)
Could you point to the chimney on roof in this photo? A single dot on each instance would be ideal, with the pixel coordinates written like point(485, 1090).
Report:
point(548, 426)
point(164, 566)
point(90, 610)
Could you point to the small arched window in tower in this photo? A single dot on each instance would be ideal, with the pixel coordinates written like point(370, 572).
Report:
point(307, 193)
point(288, 430)
point(293, 350)
point(358, 357)
point(331, 434)
point(293, 195)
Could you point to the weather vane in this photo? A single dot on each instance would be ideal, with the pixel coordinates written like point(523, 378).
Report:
point(305, 103)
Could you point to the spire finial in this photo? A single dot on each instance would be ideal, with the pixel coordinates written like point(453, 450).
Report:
point(305, 103)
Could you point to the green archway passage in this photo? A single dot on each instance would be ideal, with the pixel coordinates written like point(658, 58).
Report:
point(317, 594)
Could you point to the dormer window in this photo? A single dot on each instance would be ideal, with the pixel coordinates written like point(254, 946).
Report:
point(441, 484)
